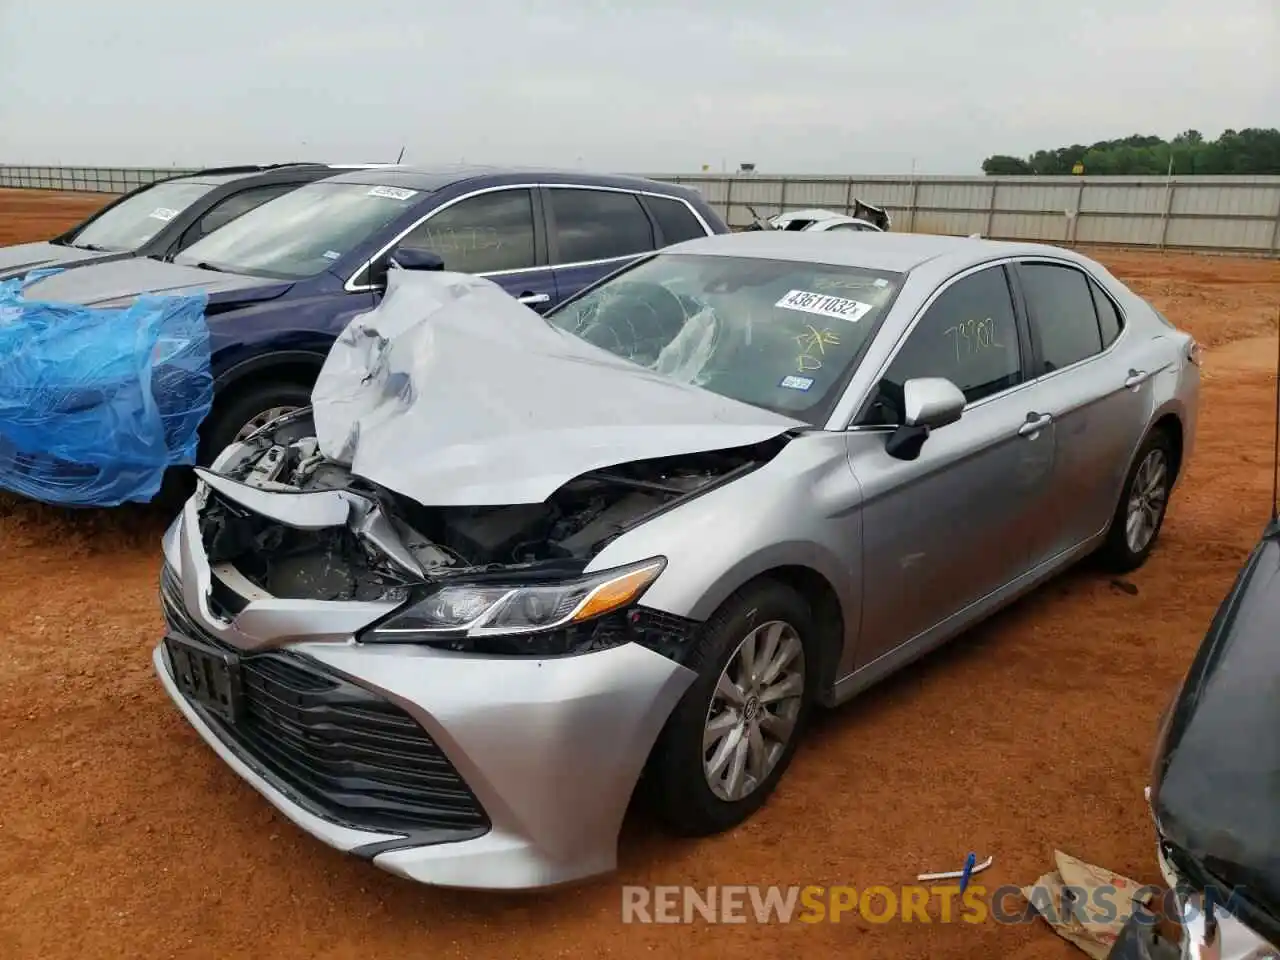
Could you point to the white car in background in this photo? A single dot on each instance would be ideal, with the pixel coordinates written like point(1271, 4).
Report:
point(863, 217)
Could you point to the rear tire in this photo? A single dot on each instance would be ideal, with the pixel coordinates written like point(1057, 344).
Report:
point(1144, 500)
point(243, 408)
point(719, 757)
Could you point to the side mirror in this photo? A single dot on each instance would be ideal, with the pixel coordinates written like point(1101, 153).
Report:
point(409, 258)
point(928, 404)
point(931, 402)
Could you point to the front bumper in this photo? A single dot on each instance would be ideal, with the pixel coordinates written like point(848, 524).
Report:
point(1141, 940)
point(550, 749)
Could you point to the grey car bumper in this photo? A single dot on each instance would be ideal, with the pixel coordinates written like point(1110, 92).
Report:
point(551, 749)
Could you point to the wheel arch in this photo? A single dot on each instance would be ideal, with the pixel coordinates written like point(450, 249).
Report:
point(831, 613)
point(828, 615)
point(287, 367)
point(293, 366)
point(1170, 424)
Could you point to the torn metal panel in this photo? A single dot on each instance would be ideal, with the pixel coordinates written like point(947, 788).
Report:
point(310, 510)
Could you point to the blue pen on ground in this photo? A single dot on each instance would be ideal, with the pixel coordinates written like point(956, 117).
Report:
point(971, 866)
point(969, 861)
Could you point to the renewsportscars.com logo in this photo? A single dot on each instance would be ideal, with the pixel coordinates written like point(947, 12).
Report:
point(911, 903)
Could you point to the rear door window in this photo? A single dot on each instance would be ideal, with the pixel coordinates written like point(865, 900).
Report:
point(598, 225)
point(968, 335)
point(675, 219)
point(1064, 321)
point(482, 234)
point(1109, 322)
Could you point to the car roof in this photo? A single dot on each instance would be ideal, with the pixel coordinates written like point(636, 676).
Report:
point(434, 178)
point(889, 252)
point(212, 180)
point(815, 214)
point(218, 176)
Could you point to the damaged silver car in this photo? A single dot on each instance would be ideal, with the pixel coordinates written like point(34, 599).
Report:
point(507, 567)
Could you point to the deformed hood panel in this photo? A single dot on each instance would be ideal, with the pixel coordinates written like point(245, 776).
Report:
point(452, 393)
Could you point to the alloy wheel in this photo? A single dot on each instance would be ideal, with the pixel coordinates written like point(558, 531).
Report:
point(265, 417)
point(1147, 499)
point(754, 709)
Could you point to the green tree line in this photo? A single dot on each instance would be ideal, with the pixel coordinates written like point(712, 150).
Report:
point(1252, 151)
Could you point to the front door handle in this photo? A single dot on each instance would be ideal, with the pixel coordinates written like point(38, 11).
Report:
point(531, 299)
point(1136, 379)
point(1035, 423)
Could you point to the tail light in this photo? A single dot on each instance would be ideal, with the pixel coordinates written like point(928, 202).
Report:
point(1194, 353)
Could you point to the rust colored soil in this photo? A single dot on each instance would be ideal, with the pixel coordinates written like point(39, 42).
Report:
point(27, 215)
point(122, 835)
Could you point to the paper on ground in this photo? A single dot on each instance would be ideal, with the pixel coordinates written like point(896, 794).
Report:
point(1082, 926)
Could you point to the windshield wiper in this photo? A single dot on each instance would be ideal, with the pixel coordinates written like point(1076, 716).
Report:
point(92, 246)
point(206, 265)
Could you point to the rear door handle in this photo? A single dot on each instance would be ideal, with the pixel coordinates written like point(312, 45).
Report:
point(534, 298)
point(1136, 379)
point(1035, 423)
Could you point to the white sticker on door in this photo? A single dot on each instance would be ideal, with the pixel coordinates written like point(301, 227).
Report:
point(391, 193)
point(824, 305)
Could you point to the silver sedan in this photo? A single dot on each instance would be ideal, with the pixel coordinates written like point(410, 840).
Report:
point(446, 617)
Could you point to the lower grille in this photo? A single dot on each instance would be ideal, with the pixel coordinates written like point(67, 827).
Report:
point(337, 749)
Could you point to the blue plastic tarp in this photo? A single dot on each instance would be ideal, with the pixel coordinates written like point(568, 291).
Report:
point(96, 403)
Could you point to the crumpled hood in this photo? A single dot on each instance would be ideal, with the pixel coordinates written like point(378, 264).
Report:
point(29, 256)
point(119, 282)
point(452, 393)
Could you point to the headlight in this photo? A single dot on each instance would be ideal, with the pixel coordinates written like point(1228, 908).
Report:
point(458, 615)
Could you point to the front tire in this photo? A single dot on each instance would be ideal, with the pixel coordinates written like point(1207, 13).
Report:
point(734, 732)
point(246, 410)
point(1144, 500)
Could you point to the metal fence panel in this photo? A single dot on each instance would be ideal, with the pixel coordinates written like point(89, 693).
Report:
point(1213, 214)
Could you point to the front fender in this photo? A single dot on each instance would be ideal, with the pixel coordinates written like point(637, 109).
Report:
point(693, 591)
point(801, 509)
point(300, 330)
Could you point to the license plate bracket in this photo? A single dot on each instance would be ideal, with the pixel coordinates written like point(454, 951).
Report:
point(206, 675)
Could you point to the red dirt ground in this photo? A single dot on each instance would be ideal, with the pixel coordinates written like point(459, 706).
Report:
point(122, 835)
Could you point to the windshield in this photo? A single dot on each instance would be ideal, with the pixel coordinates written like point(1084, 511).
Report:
point(135, 220)
point(303, 232)
point(776, 334)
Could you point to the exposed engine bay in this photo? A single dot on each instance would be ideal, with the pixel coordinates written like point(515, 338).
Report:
point(392, 543)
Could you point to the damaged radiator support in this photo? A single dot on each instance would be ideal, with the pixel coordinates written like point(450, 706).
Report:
point(299, 526)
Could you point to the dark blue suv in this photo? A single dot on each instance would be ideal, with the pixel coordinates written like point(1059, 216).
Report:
point(285, 278)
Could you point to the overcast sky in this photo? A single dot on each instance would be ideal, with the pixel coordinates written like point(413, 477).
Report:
point(819, 86)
